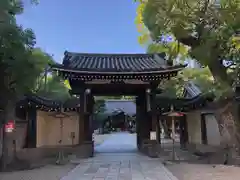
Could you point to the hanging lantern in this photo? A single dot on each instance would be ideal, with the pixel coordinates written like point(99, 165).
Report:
point(87, 92)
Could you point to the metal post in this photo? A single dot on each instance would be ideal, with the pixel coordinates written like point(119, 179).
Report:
point(173, 139)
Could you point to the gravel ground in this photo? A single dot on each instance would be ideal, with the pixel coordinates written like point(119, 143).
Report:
point(49, 172)
point(184, 171)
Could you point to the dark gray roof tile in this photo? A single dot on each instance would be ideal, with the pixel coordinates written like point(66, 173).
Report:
point(191, 90)
point(114, 62)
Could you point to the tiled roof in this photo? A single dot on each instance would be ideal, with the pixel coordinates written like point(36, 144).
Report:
point(193, 98)
point(38, 100)
point(115, 62)
point(191, 90)
point(49, 104)
point(164, 104)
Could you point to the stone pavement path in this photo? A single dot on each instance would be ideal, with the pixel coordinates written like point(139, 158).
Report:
point(116, 166)
point(118, 142)
point(121, 165)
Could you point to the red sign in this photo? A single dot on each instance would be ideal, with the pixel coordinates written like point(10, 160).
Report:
point(175, 114)
point(9, 126)
point(180, 114)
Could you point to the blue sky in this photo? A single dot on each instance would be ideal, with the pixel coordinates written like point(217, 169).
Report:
point(105, 26)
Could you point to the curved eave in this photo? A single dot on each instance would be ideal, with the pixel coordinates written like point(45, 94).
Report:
point(183, 104)
point(38, 100)
point(44, 104)
point(157, 71)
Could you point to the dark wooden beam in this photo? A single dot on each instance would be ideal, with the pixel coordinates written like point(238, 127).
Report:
point(31, 139)
point(112, 89)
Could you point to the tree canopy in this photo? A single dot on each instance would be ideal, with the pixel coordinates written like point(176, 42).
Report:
point(202, 77)
point(19, 62)
point(205, 30)
point(23, 66)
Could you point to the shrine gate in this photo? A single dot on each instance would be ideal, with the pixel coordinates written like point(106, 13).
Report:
point(136, 75)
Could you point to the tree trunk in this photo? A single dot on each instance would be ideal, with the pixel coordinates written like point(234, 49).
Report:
point(7, 140)
point(219, 72)
point(228, 123)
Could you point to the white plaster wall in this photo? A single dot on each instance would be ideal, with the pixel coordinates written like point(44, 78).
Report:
point(194, 128)
point(213, 135)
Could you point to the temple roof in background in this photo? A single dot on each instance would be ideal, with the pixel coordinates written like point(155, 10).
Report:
point(118, 105)
point(193, 99)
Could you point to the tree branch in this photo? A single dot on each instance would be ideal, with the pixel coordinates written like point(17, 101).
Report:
point(189, 41)
point(219, 72)
point(195, 41)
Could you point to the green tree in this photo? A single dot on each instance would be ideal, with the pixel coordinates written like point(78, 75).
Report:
point(202, 77)
point(42, 62)
point(203, 30)
point(20, 65)
point(99, 106)
point(54, 88)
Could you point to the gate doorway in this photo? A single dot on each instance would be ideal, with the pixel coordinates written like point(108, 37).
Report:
point(114, 125)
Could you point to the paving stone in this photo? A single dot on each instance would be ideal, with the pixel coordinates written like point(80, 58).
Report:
point(98, 178)
point(111, 178)
point(91, 170)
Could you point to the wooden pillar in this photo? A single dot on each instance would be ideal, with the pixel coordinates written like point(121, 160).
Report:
point(138, 117)
point(183, 132)
point(85, 116)
point(158, 130)
point(143, 120)
point(31, 139)
point(81, 119)
point(155, 121)
point(146, 118)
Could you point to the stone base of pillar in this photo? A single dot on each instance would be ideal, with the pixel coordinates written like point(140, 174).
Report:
point(90, 148)
point(150, 148)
